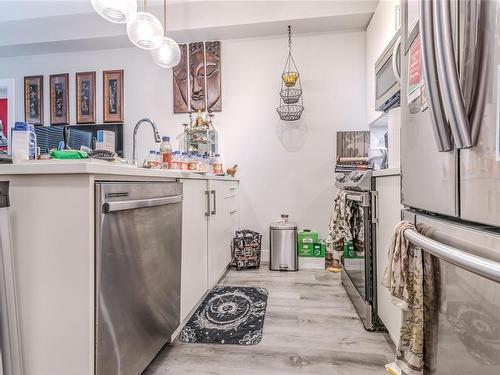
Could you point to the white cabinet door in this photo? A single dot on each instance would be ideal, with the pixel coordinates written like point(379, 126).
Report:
point(194, 276)
point(220, 229)
point(389, 214)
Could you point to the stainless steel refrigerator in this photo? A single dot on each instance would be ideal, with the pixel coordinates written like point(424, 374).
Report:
point(450, 160)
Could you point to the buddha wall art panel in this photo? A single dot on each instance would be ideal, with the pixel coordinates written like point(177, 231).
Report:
point(197, 78)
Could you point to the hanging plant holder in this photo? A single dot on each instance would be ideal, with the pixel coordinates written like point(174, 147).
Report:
point(291, 103)
point(291, 96)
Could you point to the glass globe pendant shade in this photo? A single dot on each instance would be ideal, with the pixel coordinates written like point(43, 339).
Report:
point(145, 31)
point(168, 55)
point(117, 11)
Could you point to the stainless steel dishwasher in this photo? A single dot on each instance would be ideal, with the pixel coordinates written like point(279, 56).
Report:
point(138, 273)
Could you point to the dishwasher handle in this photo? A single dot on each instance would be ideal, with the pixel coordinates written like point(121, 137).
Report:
point(140, 203)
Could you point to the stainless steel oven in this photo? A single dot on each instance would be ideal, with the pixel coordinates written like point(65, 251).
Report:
point(388, 76)
point(359, 276)
point(138, 272)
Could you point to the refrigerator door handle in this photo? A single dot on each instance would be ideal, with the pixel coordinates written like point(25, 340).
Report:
point(469, 262)
point(442, 133)
point(396, 65)
point(479, 98)
point(448, 76)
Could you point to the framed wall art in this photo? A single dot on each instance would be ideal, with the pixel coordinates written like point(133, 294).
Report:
point(85, 97)
point(59, 99)
point(113, 96)
point(197, 78)
point(33, 100)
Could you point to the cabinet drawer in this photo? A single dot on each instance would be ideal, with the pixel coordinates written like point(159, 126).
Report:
point(232, 203)
point(231, 189)
point(235, 220)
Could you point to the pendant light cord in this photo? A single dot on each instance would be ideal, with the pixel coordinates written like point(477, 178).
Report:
point(165, 17)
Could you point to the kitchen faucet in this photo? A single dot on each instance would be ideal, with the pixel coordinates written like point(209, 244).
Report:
point(136, 128)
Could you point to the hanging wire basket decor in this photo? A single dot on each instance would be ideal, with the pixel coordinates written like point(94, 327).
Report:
point(291, 101)
point(290, 96)
point(290, 78)
point(290, 112)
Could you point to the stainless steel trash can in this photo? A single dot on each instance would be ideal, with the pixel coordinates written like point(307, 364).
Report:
point(283, 246)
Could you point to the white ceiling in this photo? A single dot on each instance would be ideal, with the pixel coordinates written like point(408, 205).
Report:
point(72, 25)
point(25, 9)
point(11, 10)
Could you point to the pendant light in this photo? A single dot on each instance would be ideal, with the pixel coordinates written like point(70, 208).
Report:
point(117, 11)
point(144, 30)
point(168, 54)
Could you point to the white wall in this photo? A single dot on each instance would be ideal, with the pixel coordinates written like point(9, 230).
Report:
point(379, 33)
point(289, 169)
point(283, 169)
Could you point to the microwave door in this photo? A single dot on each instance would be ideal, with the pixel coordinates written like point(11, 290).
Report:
point(428, 160)
point(387, 76)
point(480, 164)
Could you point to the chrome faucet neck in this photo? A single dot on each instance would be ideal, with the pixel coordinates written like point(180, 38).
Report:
point(156, 135)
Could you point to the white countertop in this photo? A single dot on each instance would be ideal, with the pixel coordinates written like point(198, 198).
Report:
point(386, 172)
point(97, 167)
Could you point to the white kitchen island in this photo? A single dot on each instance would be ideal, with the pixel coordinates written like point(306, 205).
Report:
point(52, 214)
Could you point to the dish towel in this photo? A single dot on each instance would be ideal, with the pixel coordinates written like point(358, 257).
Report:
point(412, 277)
point(340, 223)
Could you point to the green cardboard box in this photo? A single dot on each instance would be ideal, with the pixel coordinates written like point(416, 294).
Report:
point(306, 241)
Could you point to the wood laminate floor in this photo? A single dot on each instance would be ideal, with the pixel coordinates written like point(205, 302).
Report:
point(310, 327)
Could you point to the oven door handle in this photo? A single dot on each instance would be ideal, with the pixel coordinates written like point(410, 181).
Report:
point(469, 262)
point(374, 207)
point(355, 198)
point(140, 203)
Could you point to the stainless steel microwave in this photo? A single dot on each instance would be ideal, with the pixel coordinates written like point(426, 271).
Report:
point(387, 76)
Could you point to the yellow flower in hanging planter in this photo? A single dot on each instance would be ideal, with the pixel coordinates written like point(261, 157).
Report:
point(290, 78)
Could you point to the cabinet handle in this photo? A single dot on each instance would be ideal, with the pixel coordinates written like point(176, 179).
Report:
point(233, 189)
point(214, 211)
point(233, 212)
point(207, 194)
